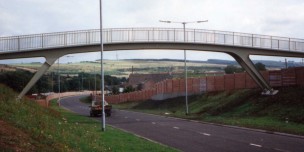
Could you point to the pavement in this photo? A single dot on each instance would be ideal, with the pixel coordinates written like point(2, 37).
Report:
point(192, 136)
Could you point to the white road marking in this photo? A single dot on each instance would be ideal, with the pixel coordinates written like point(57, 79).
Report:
point(137, 119)
point(256, 145)
point(277, 149)
point(195, 121)
point(153, 123)
point(175, 127)
point(206, 134)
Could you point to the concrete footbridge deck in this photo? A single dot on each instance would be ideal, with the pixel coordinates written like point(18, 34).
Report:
point(240, 46)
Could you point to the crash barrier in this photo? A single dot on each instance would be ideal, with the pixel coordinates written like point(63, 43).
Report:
point(176, 87)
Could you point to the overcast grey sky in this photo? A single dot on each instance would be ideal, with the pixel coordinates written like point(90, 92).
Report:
point(271, 17)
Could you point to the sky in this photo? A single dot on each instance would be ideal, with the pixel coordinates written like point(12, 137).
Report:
point(270, 17)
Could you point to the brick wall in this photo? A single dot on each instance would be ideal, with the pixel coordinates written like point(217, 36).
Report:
point(286, 77)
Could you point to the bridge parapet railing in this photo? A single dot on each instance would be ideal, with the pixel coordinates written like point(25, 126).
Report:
point(129, 35)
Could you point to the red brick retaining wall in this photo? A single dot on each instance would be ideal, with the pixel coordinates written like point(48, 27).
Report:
point(285, 77)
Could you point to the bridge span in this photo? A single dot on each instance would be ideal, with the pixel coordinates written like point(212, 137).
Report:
point(240, 46)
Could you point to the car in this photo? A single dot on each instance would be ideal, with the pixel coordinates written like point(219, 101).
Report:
point(96, 109)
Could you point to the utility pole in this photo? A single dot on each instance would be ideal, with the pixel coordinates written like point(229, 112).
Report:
point(52, 81)
point(103, 128)
point(286, 65)
point(89, 83)
point(185, 58)
point(59, 84)
point(95, 84)
point(79, 83)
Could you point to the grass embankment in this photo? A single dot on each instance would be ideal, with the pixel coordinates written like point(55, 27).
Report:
point(26, 126)
point(283, 112)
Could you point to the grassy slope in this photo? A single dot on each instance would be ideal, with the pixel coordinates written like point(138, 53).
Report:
point(283, 112)
point(30, 127)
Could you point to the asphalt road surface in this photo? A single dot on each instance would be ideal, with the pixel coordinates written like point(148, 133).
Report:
point(192, 136)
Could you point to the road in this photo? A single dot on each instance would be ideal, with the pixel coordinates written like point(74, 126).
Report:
point(192, 136)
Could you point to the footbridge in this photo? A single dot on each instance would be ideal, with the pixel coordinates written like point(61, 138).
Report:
point(240, 46)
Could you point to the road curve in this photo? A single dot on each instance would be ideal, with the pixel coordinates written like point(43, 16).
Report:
point(192, 136)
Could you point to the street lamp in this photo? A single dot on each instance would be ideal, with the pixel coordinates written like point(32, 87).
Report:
point(79, 83)
point(59, 80)
point(95, 84)
point(53, 82)
point(102, 70)
point(82, 82)
point(185, 57)
point(58, 83)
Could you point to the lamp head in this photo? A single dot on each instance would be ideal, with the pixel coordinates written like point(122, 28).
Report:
point(202, 21)
point(164, 21)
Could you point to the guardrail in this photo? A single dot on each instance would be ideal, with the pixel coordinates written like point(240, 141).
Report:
point(129, 35)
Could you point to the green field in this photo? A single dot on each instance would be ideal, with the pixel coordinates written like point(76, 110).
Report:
point(122, 68)
point(283, 112)
point(26, 126)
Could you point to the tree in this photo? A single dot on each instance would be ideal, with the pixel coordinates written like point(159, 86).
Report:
point(230, 69)
point(115, 90)
point(260, 66)
point(123, 79)
point(129, 89)
point(19, 78)
point(140, 86)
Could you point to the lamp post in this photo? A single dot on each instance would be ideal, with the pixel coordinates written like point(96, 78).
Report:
point(103, 128)
point(95, 84)
point(79, 83)
point(59, 80)
point(52, 78)
point(89, 85)
point(185, 58)
point(58, 84)
point(82, 82)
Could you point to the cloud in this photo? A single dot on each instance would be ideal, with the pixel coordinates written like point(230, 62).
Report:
point(35, 16)
point(271, 17)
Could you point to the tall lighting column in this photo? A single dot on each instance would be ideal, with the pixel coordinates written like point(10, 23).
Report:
point(58, 84)
point(185, 59)
point(95, 84)
point(103, 128)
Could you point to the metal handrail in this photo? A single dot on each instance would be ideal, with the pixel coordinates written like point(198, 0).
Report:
point(125, 35)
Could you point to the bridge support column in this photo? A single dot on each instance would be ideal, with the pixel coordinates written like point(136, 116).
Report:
point(244, 60)
point(46, 65)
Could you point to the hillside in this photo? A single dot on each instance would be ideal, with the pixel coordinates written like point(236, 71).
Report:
point(283, 112)
point(123, 67)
